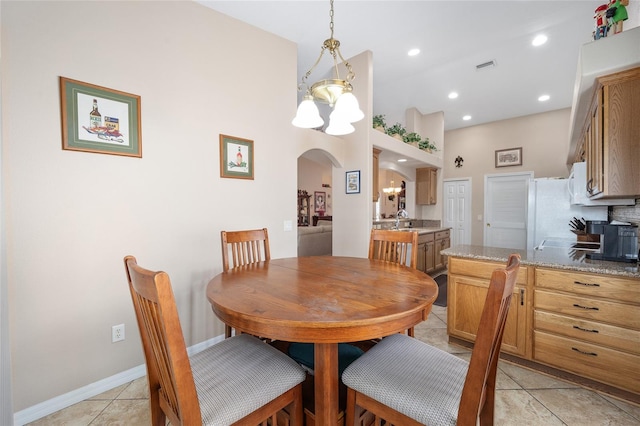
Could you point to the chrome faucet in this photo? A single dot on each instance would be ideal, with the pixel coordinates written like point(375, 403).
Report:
point(402, 213)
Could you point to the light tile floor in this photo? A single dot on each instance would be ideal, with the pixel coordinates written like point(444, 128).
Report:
point(523, 397)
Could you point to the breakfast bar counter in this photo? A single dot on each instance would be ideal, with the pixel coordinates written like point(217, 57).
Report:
point(549, 257)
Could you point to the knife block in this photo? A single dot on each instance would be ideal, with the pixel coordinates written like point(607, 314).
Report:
point(582, 236)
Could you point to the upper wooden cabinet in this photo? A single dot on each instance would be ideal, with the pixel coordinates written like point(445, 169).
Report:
point(426, 185)
point(611, 137)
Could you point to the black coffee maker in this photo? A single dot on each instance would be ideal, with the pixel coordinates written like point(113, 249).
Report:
point(618, 242)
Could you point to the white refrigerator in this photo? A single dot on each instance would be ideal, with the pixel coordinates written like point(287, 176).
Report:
point(550, 211)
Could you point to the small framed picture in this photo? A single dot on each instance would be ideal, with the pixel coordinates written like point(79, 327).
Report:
point(236, 157)
point(353, 182)
point(320, 201)
point(99, 120)
point(509, 157)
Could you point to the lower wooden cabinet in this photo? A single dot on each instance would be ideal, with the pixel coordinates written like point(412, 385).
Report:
point(589, 325)
point(581, 323)
point(468, 283)
point(429, 247)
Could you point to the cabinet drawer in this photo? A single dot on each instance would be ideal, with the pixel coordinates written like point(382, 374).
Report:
point(423, 238)
point(482, 269)
point(589, 308)
point(595, 362)
point(625, 289)
point(442, 234)
point(590, 331)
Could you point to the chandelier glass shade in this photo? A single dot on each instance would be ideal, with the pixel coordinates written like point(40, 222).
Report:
point(336, 92)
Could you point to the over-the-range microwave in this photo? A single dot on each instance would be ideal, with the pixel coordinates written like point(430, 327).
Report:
point(578, 194)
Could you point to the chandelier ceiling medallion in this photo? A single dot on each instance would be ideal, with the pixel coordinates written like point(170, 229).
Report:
point(336, 92)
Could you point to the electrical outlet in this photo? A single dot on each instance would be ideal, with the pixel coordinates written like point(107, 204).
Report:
point(117, 333)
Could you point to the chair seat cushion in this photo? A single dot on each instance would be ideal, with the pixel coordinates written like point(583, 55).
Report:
point(237, 376)
point(303, 353)
point(418, 380)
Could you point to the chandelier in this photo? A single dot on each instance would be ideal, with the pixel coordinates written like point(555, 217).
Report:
point(392, 190)
point(336, 92)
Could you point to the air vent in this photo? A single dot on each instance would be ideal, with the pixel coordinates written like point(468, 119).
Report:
point(486, 65)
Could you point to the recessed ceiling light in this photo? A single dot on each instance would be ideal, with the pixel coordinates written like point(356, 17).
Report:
point(544, 98)
point(413, 52)
point(466, 118)
point(453, 95)
point(539, 40)
point(402, 160)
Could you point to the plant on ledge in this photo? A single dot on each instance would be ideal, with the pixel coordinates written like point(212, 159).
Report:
point(397, 131)
point(412, 139)
point(379, 123)
point(426, 145)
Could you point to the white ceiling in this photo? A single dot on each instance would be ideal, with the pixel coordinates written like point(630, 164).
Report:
point(454, 37)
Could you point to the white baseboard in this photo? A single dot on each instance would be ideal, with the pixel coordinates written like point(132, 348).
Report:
point(58, 403)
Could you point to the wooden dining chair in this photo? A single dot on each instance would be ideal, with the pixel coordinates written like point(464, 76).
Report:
point(242, 248)
point(239, 381)
point(407, 382)
point(395, 246)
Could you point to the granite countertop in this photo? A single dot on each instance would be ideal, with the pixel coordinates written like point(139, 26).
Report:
point(550, 257)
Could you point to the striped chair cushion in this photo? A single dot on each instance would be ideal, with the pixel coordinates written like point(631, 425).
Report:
point(237, 376)
point(418, 380)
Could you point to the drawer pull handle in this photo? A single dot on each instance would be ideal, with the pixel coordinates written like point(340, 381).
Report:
point(587, 284)
point(584, 353)
point(586, 307)
point(585, 329)
point(521, 297)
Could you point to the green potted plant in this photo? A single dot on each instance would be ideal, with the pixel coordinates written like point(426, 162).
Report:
point(378, 123)
point(397, 131)
point(426, 145)
point(412, 139)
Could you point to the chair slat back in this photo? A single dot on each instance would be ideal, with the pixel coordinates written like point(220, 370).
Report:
point(171, 386)
point(394, 246)
point(478, 392)
point(244, 247)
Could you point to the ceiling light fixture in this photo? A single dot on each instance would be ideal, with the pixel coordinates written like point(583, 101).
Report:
point(413, 52)
point(392, 190)
point(453, 95)
point(466, 118)
point(402, 160)
point(539, 40)
point(336, 92)
point(544, 98)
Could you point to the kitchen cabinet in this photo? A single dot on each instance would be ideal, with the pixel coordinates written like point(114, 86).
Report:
point(429, 246)
point(610, 137)
point(376, 174)
point(589, 325)
point(442, 241)
point(426, 252)
point(468, 283)
point(426, 186)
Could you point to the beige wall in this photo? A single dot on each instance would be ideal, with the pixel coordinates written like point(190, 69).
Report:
point(544, 139)
point(72, 216)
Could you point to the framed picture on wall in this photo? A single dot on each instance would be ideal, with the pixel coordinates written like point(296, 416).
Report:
point(236, 157)
point(509, 157)
point(320, 201)
point(353, 182)
point(100, 120)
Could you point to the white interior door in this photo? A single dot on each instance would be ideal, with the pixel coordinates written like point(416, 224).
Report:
point(457, 210)
point(505, 210)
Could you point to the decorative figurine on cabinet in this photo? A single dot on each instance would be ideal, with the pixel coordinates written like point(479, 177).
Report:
point(617, 14)
point(601, 22)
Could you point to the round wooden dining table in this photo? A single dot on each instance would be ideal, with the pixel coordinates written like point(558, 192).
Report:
point(324, 300)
